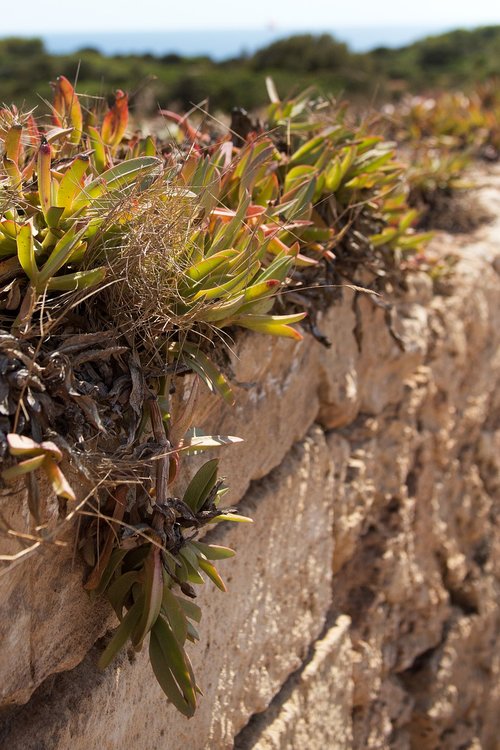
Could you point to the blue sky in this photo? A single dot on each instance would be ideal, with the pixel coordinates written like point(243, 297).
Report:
point(43, 16)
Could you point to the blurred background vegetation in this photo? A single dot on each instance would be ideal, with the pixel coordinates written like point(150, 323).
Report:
point(453, 60)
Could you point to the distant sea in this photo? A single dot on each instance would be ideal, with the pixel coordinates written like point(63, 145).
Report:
point(220, 45)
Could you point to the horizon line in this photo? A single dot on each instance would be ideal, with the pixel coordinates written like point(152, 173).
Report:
point(268, 28)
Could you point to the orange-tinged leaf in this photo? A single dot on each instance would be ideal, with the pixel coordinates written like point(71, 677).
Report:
point(115, 121)
point(212, 573)
point(67, 108)
point(59, 483)
point(57, 108)
point(52, 449)
point(182, 122)
point(33, 132)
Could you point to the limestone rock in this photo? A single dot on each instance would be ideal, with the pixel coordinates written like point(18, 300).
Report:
point(251, 640)
point(384, 519)
point(313, 709)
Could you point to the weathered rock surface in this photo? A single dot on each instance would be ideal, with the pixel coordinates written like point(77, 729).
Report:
point(313, 709)
point(406, 456)
point(280, 588)
point(47, 621)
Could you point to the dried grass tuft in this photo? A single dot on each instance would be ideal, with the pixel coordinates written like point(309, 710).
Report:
point(146, 270)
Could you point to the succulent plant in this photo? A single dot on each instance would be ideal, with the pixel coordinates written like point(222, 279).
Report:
point(122, 261)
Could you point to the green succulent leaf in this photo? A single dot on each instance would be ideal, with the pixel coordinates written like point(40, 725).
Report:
point(161, 661)
point(115, 561)
point(201, 484)
point(200, 363)
point(113, 180)
point(214, 551)
point(212, 573)
point(174, 613)
point(99, 155)
point(122, 634)
point(175, 658)
point(72, 282)
point(273, 325)
point(192, 610)
point(206, 267)
point(152, 573)
point(120, 589)
point(192, 633)
point(231, 517)
point(191, 562)
point(71, 183)
point(59, 255)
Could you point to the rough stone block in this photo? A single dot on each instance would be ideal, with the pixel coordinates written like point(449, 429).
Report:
point(251, 640)
point(47, 621)
point(313, 709)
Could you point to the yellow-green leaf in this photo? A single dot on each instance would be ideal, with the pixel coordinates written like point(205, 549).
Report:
point(231, 517)
point(214, 551)
point(72, 282)
point(212, 573)
point(71, 183)
point(272, 325)
point(26, 252)
point(59, 483)
point(23, 467)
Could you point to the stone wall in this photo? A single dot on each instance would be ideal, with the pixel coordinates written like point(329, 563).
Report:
point(363, 607)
